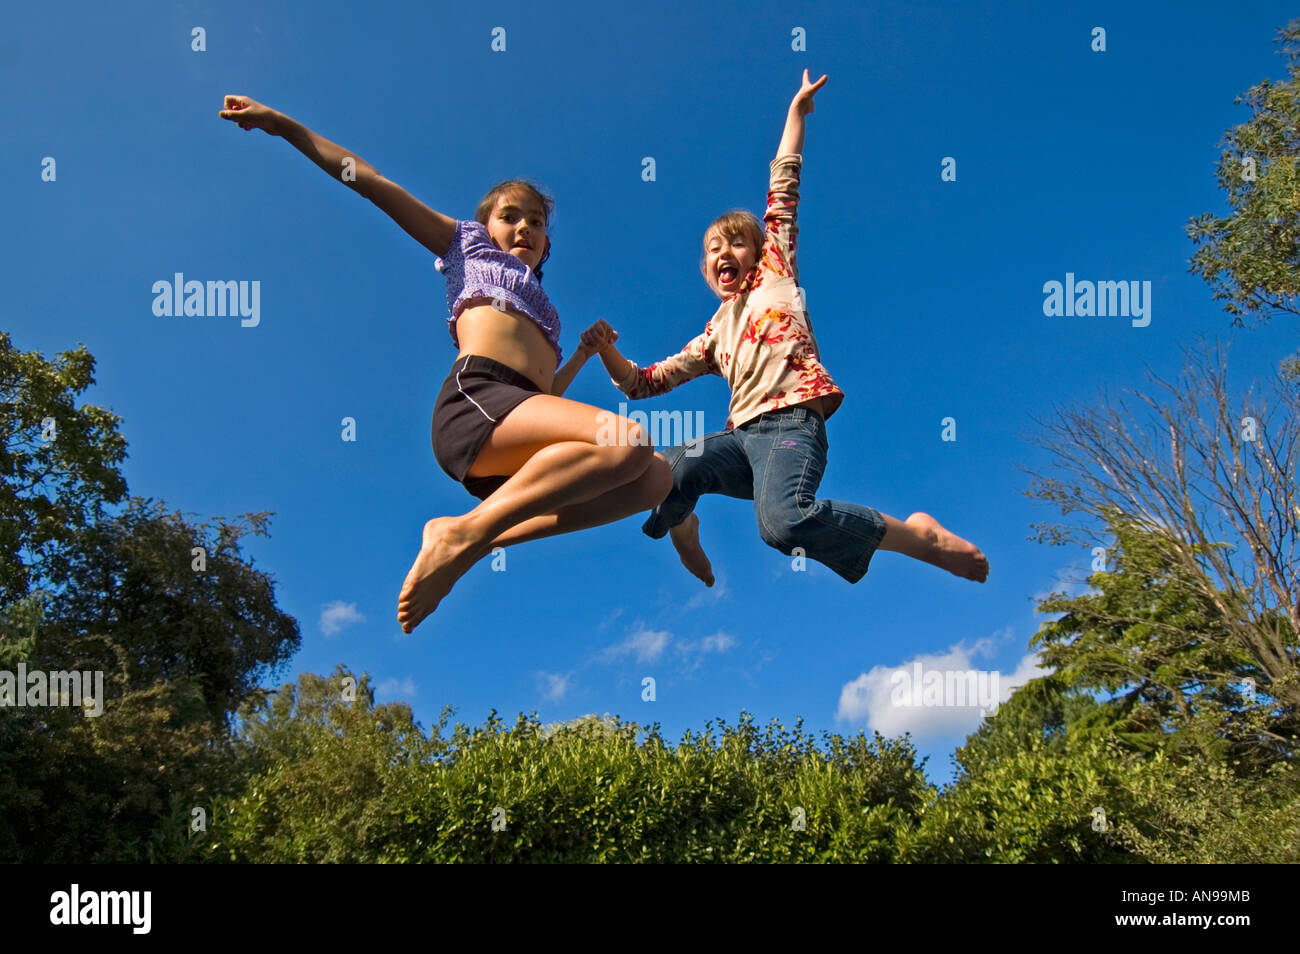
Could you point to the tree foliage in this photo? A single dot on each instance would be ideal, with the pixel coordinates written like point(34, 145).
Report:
point(1251, 257)
point(1210, 477)
point(338, 780)
point(180, 643)
point(58, 462)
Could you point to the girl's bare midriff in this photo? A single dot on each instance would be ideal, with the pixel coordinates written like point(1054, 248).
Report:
point(508, 337)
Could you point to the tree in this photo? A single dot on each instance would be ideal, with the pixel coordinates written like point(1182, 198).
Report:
point(1251, 258)
point(1177, 682)
point(1184, 657)
point(1214, 489)
point(1031, 779)
point(1144, 744)
point(178, 600)
point(174, 619)
point(179, 650)
point(58, 461)
point(1198, 813)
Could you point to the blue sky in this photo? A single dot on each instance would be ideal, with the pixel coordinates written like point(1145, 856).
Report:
point(926, 297)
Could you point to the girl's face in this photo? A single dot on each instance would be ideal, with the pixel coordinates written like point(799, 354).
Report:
point(518, 226)
point(727, 261)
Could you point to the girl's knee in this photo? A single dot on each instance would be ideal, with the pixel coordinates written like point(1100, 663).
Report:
point(692, 475)
point(631, 460)
point(657, 481)
point(778, 530)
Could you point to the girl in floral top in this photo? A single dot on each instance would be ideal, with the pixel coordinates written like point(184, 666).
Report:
point(774, 448)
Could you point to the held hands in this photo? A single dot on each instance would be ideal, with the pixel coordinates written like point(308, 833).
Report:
point(598, 337)
point(250, 114)
point(803, 100)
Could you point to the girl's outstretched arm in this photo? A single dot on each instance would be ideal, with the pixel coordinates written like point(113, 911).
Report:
point(662, 376)
point(431, 229)
point(800, 106)
point(779, 246)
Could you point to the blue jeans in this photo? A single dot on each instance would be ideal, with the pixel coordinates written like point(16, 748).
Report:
point(777, 461)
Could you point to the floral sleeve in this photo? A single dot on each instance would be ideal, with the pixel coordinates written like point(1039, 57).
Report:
point(782, 229)
point(662, 376)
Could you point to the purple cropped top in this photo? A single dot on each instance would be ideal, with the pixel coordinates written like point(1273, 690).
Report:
point(476, 268)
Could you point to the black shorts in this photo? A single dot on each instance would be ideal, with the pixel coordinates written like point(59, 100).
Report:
point(476, 396)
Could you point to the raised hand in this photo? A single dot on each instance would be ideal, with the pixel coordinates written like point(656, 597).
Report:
point(803, 100)
point(250, 114)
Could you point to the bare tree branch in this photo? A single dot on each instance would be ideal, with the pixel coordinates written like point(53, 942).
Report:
point(1214, 479)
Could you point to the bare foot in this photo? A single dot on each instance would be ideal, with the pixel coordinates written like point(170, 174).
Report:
point(949, 551)
point(686, 538)
point(444, 558)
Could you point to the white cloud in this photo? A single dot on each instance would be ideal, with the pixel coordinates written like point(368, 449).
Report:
point(881, 697)
point(1026, 670)
point(553, 685)
point(651, 645)
point(717, 643)
point(693, 653)
point(709, 596)
point(338, 614)
point(403, 689)
point(647, 645)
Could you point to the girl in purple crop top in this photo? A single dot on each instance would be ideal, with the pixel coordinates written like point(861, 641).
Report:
point(475, 268)
point(542, 464)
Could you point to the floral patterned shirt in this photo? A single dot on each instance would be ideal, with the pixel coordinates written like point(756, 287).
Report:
point(760, 339)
